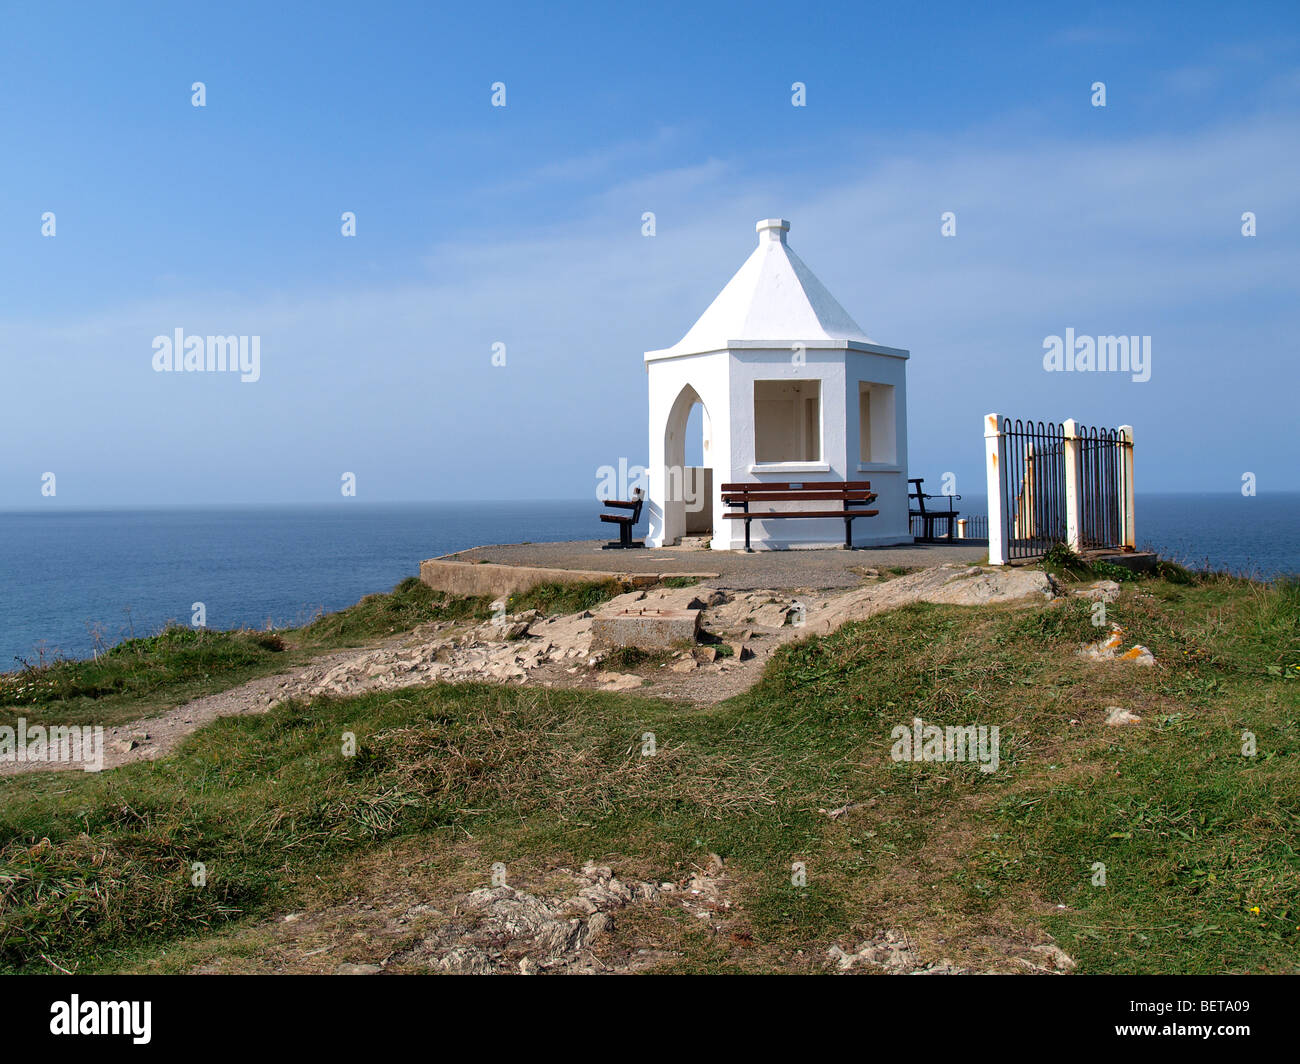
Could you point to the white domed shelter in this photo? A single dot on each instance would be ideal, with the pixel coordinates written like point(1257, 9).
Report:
point(792, 390)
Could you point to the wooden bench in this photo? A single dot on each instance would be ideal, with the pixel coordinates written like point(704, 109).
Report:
point(625, 522)
point(929, 517)
point(849, 493)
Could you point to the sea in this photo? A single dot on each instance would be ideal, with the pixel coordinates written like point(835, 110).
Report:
point(71, 580)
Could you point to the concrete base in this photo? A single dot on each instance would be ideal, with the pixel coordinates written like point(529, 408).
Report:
point(513, 565)
point(646, 629)
point(1142, 561)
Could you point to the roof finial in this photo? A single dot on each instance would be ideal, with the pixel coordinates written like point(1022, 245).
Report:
point(772, 229)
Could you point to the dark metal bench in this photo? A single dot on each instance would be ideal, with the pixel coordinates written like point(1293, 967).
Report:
point(625, 522)
point(850, 493)
point(929, 517)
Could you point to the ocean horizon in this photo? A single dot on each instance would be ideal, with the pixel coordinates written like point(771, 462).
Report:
point(73, 578)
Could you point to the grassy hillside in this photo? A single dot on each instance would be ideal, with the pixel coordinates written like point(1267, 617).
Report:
point(1200, 843)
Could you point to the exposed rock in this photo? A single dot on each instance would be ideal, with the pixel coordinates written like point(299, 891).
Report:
point(707, 597)
point(1108, 649)
point(358, 969)
point(1138, 655)
point(512, 649)
point(500, 929)
point(958, 585)
point(618, 681)
point(891, 951)
point(1100, 591)
point(1116, 715)
point(843, 810)
point(1061, 961)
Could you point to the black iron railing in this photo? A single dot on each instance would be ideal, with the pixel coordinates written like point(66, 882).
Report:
point(1034, 486)
point(976, 526)
point(1102, 469)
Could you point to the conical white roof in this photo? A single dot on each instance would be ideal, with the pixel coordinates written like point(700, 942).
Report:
point(773, 298)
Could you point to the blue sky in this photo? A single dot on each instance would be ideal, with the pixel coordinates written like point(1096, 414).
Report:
point(522, 225)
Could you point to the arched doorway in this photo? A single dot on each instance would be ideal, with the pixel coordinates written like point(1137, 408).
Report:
point(688, 469)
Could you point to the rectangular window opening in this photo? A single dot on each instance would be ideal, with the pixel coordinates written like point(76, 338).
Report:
point(787, 421)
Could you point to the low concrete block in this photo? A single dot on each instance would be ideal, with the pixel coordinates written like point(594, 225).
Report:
point(647, 629)
point(466, 578)
point(1141, 561)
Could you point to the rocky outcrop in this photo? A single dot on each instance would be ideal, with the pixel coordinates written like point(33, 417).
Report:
point(501, 929)
point(957, 585)
point(511, 648)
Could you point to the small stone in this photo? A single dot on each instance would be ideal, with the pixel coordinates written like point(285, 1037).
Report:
point(1100, 591)
point(1116, 715)
point(1061, 961)
point(1139, 655)
point(618, 681)
point(358, 969)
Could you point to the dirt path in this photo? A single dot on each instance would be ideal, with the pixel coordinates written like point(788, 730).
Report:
point(558, 652)
point(153, 737)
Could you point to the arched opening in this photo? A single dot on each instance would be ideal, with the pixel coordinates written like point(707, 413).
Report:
point(688, 469)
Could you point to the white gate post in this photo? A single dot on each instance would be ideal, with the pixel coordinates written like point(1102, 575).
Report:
point(1127, 531)
point(995, 461)
point(1073, 496)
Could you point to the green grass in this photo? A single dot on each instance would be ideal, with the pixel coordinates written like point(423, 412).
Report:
point(1062, 562)
point(138, 676)
point(552, 599)
point(95, 871)
point(634, 657)
point(409, 604)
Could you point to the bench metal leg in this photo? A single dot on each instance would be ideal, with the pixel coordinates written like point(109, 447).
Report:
point(747, 546)
point(848, 533)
